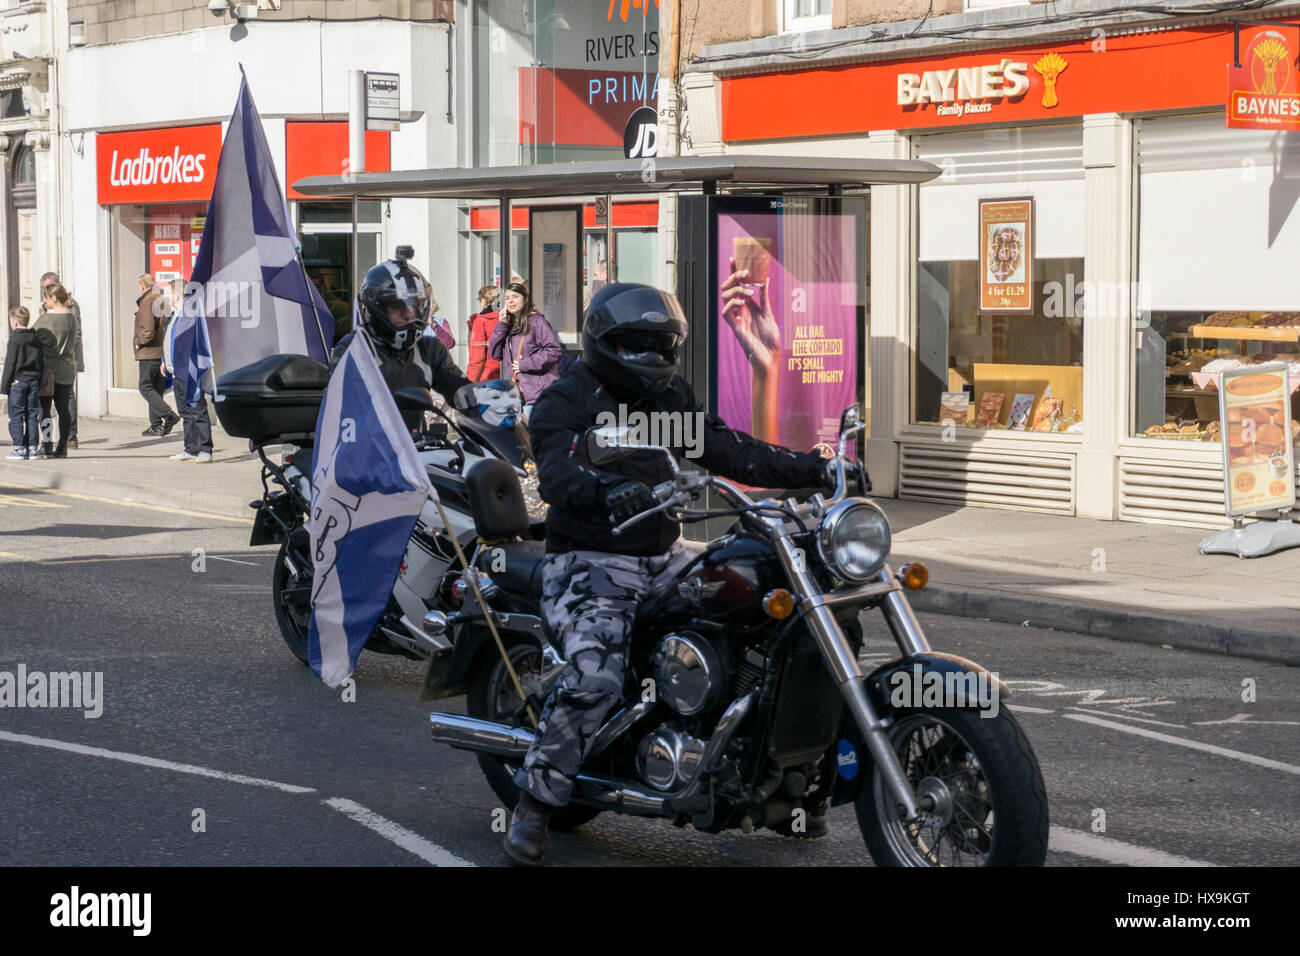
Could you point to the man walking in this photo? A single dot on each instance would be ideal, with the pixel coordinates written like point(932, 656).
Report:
point(51, 279)
point(151, 315)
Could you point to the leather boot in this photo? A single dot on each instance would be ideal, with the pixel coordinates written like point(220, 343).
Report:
point(526, 841)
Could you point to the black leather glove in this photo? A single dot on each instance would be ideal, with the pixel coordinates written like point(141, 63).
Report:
point(852, 471)
point(628, 500)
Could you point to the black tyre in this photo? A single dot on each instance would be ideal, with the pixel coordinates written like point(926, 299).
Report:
point(293, 617)
point(991, 806)
point(491, 695)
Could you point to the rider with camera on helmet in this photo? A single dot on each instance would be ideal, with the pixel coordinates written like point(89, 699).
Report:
point(593, 580)
point(394, 309)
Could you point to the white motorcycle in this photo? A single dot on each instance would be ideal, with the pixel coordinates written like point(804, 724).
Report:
point(276, 400)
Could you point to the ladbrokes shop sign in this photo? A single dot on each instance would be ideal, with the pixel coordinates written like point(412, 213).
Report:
point(1263, 89)
point(1147, 72)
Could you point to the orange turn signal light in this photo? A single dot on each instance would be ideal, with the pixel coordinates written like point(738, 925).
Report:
point(915, 575)
point(779, 604)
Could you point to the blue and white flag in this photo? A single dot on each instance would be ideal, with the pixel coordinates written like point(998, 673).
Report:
point(368, 486)
point(248, 296)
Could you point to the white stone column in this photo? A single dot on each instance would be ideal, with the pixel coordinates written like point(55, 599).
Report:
point(890, 246)
point(1107, 151)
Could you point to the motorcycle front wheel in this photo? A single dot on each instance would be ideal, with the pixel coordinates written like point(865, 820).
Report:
point(990, 803)
point(491, 696)
point(294, 620)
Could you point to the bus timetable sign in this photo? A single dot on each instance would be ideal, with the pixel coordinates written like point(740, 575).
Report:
point(382, 111)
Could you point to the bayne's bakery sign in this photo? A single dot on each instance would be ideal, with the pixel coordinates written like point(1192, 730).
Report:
point(1165, 70)
point(1263, 89)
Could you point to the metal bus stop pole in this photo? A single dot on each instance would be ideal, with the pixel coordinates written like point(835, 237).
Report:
point(505, 231)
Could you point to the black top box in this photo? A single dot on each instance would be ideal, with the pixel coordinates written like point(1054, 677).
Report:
point(275, 396)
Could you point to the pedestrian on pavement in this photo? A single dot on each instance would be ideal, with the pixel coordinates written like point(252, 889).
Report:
point(21, 381)
point(151, 317)
point(57, 330)
point(196, 426)
point(47, 280)
point(483, 367)
point(526, 345)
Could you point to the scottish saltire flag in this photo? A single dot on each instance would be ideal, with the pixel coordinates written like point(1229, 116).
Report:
point(249, 296)
point(368, 486)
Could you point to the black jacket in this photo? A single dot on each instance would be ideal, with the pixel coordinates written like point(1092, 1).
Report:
point(24, 359)
point(576, 489)
point(427, 365)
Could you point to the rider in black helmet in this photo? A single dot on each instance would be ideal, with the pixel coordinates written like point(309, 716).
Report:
point(394, 307)
point(592, 580)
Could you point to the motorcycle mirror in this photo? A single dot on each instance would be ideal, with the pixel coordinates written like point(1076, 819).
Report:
point(609, 443)
point(413, 400)
point(851, 417)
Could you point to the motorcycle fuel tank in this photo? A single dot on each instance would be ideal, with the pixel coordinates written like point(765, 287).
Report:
point(729, 581)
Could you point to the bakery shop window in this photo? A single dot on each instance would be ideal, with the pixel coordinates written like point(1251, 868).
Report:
point(1210, 304)
point(1001, 287)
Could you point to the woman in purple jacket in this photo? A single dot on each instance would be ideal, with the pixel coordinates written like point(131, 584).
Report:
point(527, 346)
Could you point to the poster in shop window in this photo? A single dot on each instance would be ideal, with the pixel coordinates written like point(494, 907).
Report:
point(1006, 247)
point(1255, 419)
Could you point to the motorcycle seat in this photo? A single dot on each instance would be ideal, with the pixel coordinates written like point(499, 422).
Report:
point(521, 567)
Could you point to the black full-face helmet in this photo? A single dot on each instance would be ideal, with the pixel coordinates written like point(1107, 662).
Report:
point(632, 338)
point(389, 290)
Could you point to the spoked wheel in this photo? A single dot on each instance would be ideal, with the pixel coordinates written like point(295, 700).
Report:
point(989, 807)
point(291, 612)
point(492, 696)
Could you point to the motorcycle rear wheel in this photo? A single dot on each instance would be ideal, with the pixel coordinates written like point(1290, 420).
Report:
point(993, 806)
point(492, 694)
point(293, 624)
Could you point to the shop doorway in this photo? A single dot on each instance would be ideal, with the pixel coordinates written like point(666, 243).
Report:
point(22, 264)
point(327, 254)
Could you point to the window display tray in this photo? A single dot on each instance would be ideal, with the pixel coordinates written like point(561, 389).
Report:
point(1280, 333)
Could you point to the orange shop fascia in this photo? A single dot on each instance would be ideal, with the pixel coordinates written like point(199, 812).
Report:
point(1142, 72)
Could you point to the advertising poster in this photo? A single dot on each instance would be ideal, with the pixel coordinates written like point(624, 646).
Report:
point(1006, 255)
point(1255, 420)
point(787, 331)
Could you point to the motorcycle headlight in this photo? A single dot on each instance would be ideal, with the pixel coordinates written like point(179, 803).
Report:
point(854, 540)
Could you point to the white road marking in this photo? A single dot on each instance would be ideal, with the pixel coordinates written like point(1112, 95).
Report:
point(215, 557)
point(151, 762)
point(404, 838)
point(1022, 709)
point(1192, 744)
point(1245, 719)
point(1145, 720)
point(1113, 851)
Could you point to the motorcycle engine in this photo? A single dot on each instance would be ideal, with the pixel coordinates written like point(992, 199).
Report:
point(666, 758)
point(690, 672)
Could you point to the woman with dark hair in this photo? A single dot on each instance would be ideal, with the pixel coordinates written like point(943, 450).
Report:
point(526, 345)
point(57, 331)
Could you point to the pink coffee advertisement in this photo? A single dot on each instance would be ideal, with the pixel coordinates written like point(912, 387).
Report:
point(786, 336)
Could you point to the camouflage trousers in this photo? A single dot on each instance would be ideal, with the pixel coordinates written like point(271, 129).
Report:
point(591, 598)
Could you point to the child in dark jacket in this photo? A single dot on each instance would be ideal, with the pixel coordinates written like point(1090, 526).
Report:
point(21, 380)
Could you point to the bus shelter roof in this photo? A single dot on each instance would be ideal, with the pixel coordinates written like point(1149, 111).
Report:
point(662, 174)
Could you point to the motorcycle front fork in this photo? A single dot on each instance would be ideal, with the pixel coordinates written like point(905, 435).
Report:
point(839, 656)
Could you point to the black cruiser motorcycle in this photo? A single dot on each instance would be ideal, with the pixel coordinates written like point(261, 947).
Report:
point(755, 712)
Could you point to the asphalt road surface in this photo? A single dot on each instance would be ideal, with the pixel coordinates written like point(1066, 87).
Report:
point(213, 745)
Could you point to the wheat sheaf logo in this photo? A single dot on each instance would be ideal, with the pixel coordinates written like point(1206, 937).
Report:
point(626, 7)
point(1270, 63)
point(1050, 68)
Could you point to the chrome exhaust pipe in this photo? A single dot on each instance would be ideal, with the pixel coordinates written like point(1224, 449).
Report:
point(480, 736)
point(609, 795)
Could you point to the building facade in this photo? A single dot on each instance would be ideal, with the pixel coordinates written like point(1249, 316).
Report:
point(1041, 314)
